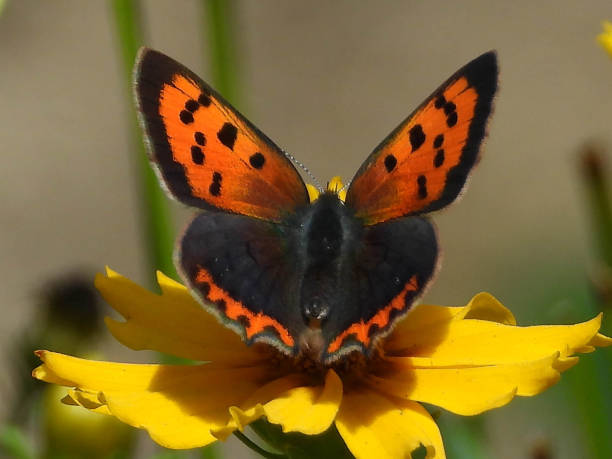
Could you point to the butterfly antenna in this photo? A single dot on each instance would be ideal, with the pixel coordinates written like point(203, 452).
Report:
point(346, 185)
point(310, 175)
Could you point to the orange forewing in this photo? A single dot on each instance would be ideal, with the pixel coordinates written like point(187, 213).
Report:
point(208, 154)
point(424, 163)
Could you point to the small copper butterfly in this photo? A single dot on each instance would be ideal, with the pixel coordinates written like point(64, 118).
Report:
point(321, 277)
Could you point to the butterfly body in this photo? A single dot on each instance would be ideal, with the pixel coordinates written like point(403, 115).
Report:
point(322, 278)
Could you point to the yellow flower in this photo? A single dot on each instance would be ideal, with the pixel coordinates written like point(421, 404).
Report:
point(605, 38)
point(464, 359)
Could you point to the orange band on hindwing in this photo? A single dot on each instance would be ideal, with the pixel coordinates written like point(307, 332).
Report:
point(361, 331)
point(252, 322)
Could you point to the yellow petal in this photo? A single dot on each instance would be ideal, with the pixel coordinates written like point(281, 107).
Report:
point(89, 400)
point(313, 192)
point(335, 185)
point(252, 408)
point(476, 342)
point(600, 340)
point(307, 409)
point(173, 322)
point(605, 38)
point(374, 426)
point(178, 405)
point(293, 404)
point(471, 390)
point(485, 306)
point(423, 318)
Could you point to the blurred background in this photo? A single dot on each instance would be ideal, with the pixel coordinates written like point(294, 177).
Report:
point(326, 81)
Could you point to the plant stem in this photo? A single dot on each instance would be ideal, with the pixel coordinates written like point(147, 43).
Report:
point(219, 22)
point(156, 219)
point(14, 443)
point(598, 200)
point(255, 447)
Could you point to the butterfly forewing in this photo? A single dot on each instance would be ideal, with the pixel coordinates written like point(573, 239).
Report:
point(424, 163)
point(208, 154)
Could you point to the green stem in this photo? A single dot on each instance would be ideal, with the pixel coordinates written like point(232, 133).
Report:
point(599, 200)
point(255, 447)
point(13, 443)
point(156, 216)
point(591, 382)
point(464, 437)
point(219, 22)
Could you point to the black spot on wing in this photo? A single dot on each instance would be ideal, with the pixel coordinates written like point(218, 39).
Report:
point(390, 162)
point(191, 105)
point(215, 186)
point(439, 158)
point(221, 305)
point(186, 117)
point(257, 160)
point(196, 155)
point(417, 137)
point(227, 135)
point(200, 138)
point(204, 100)
point(449, 108)
point(204, 287)
point(438, 141)
point(244, 321)
point(422, 183)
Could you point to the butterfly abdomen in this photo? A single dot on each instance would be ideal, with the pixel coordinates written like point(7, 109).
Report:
point(325, 237)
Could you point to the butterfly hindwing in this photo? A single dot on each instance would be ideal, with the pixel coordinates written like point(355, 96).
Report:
point(208, 154)
point(238, 265)
point(393, 265)
point(424, 163)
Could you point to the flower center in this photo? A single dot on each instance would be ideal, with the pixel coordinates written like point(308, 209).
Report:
point(351, 368)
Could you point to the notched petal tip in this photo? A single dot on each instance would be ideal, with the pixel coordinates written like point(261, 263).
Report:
point(564, 364)
point(169, 286)
point(172, 321)
point(484, 306)
point(38, 373)
point(600, 340)
point(375, 425)
point(307, 409)
point(68, 400)
point(92, 401)
point(336, 186)
point(452, 388)
point(605, 38)
point(313, 192)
